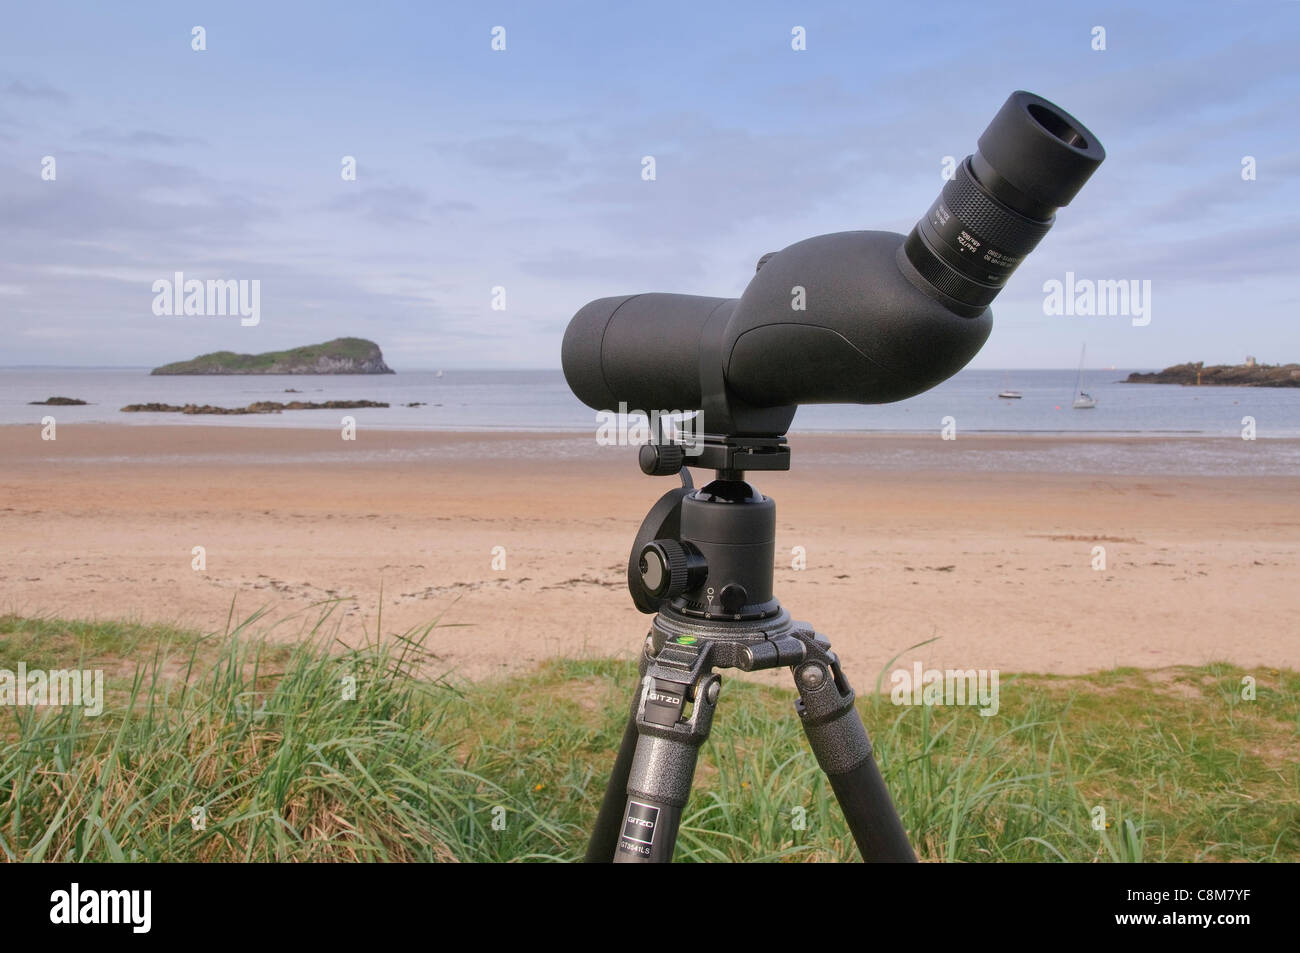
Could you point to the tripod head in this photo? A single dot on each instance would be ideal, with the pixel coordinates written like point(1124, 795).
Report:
point(707, 553)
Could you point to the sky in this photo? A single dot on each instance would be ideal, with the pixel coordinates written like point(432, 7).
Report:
point(522, 169)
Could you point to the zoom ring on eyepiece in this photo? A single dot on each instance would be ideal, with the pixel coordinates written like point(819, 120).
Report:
point(974, 241)
point(1003, 228)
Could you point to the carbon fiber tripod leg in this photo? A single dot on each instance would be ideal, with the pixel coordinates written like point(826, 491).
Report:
point(609, 822)
point(839, 740)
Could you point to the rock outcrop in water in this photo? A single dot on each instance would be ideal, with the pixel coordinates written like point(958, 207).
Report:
point(57, 402)
point(340, 356)
point(1223, 375)
point(258, 407)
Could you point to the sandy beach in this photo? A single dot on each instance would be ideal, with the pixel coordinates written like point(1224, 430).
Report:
point(996, 567)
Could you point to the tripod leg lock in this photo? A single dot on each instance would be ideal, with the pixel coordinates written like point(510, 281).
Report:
point(825, 707)
point(680, 673)
point(778, 652)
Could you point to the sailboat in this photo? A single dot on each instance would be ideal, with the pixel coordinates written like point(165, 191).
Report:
point(1082, 399)
point(1008, 394)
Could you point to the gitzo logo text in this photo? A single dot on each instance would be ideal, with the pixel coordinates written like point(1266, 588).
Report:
point(61, 687)
point(134, 907)
point(215, 297)
point(632, 428)
point(1085, 297)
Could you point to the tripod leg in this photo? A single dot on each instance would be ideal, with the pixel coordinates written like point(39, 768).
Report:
point(839, 741)
point(663, 767)
point(609, 822)
point(658, 788)
point(871, 815)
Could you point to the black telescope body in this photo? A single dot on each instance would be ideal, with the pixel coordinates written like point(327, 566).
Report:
point(851, 317)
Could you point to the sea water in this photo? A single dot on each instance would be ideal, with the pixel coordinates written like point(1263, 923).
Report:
point(539, 400)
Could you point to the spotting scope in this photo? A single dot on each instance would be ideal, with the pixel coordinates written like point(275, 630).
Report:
point(860, 317)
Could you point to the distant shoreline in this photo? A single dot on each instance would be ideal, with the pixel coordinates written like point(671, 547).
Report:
point(492, 370)
point(216, 445)
point(271, 423)
point(540, 401)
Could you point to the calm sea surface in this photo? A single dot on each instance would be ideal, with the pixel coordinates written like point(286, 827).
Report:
point(481, 400)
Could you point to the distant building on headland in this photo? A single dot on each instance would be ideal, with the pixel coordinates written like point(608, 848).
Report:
point(1250, 374)
point(1250, 360)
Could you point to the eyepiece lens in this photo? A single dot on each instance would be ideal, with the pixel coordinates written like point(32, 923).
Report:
point(1057, 125)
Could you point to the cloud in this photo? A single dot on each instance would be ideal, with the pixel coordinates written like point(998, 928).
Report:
point(139, 137)
point(395, 205)
point(38, 92)
point(632, 268)
point(533, 180)
point(99, 198)
point(526, 156)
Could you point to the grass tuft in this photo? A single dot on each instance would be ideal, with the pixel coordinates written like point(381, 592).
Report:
point(262, 740)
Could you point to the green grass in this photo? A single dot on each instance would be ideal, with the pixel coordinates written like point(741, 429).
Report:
point(417, 767)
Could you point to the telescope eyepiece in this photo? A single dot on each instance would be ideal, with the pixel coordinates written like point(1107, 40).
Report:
point(1033, 158)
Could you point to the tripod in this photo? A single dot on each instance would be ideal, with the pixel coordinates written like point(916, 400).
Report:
point(703, 563)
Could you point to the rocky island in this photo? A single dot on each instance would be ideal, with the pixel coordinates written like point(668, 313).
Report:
point(340, 356)
point(1249, 374)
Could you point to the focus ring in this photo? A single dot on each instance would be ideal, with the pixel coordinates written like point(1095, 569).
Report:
point(967, 245)
point(970, 298)
point(945, 279)
point(992, 222)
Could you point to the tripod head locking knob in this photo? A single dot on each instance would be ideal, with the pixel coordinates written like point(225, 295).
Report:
point(661, 459)
point(663, 568)
point(669, 568)
point(733, 597)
